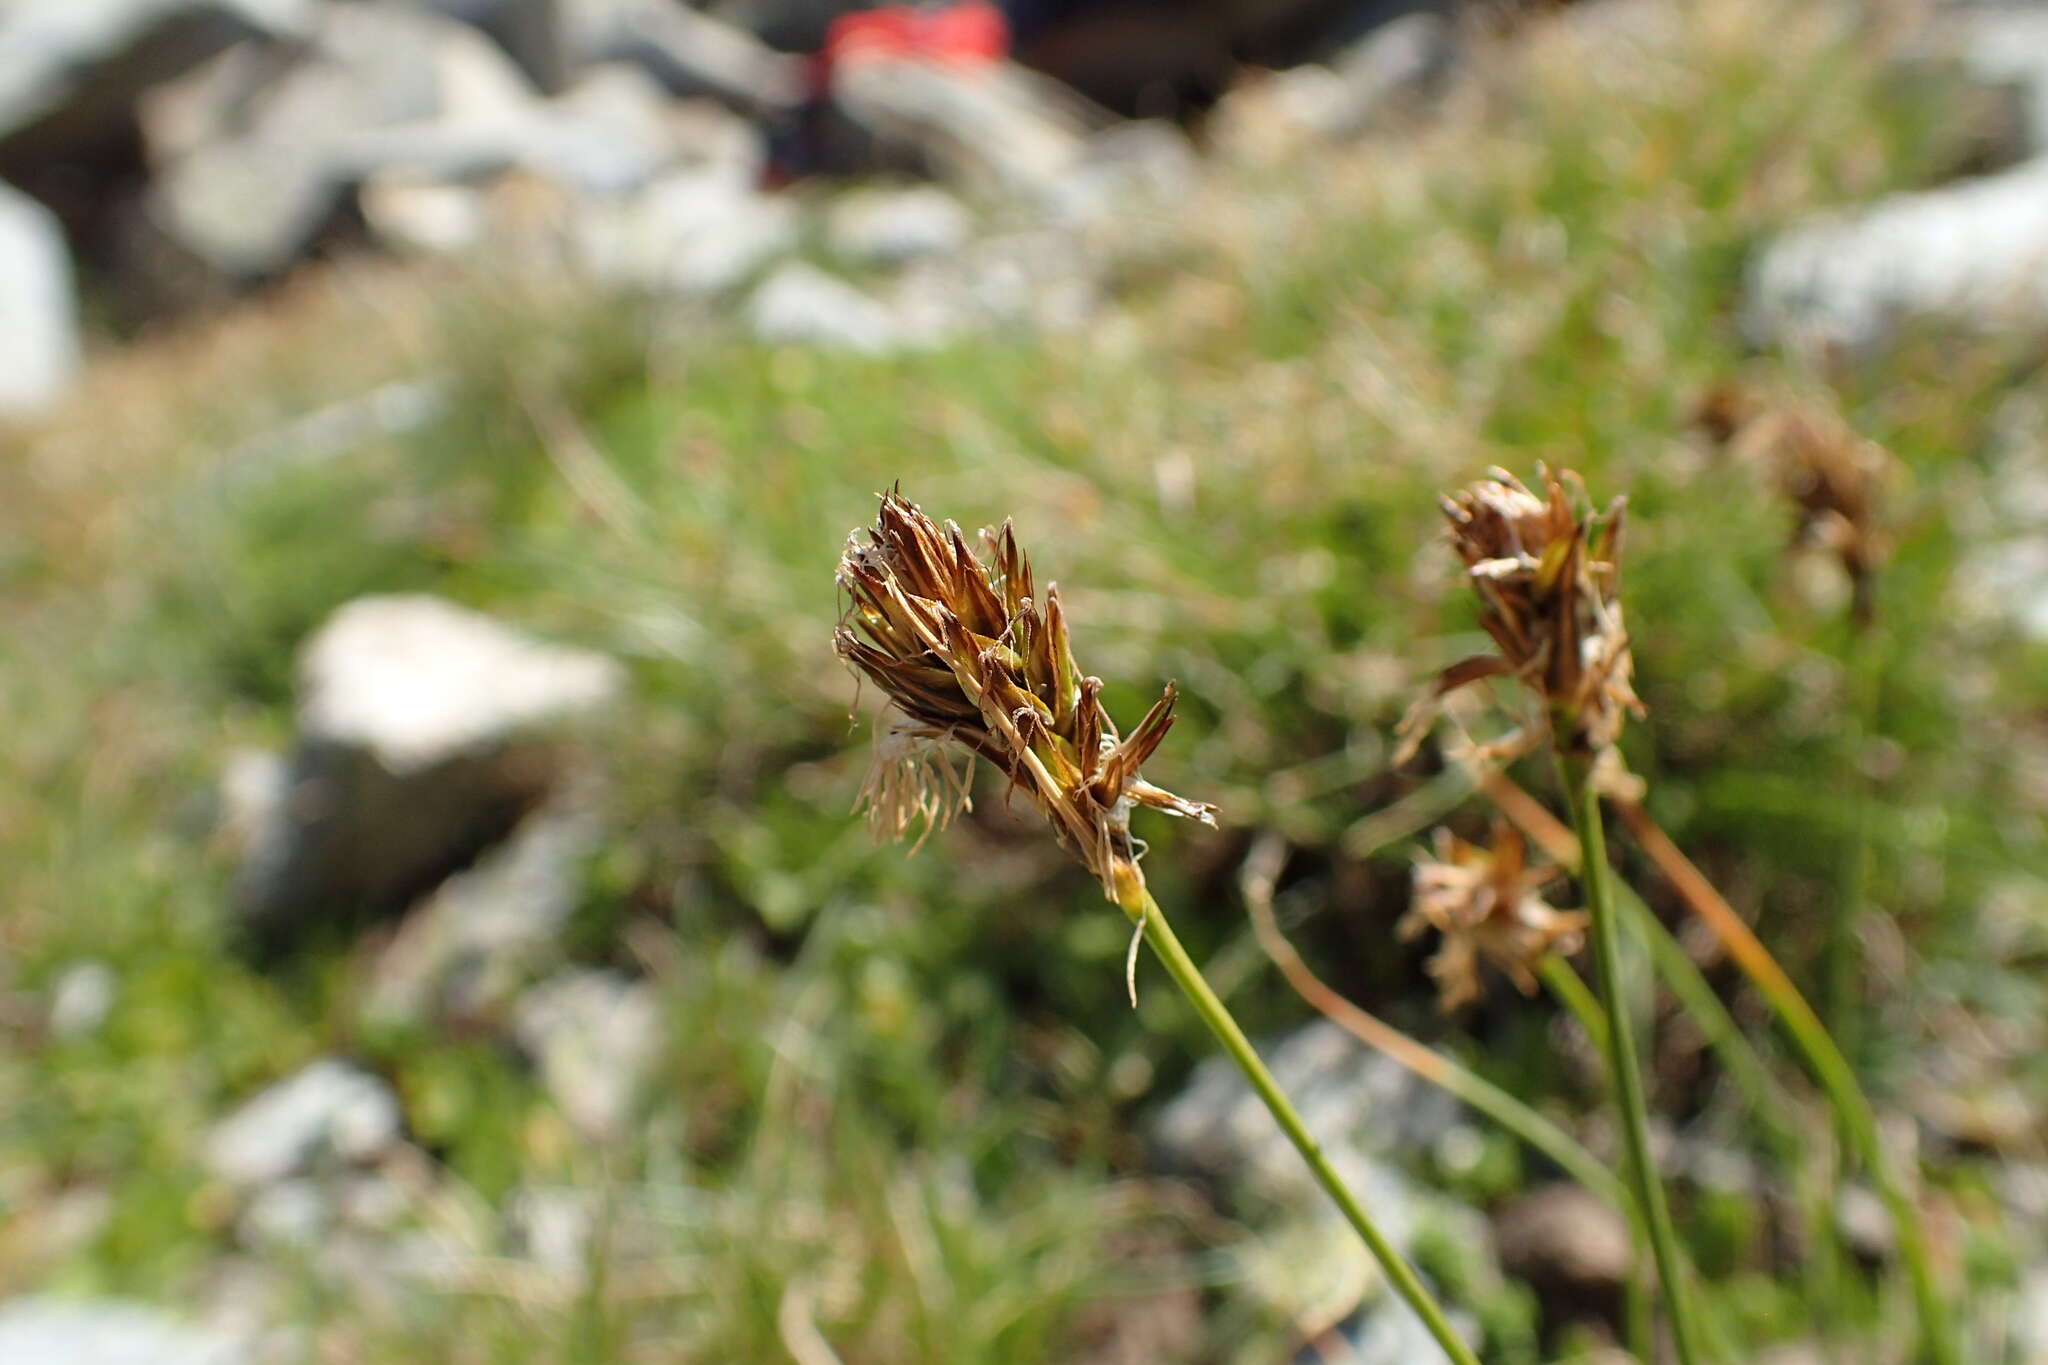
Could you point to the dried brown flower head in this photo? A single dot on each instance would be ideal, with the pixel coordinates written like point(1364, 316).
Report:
point(1547, 578)
point(1486, 902)
point(970, 655)
point(1833, 477)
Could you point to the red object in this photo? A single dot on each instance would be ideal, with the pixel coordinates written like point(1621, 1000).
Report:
point(963, 33)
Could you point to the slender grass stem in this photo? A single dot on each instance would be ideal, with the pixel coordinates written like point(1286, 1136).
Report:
point(1773, 1107)
point(1429, 1064)
point(1768, 1099)
point(1578, 999)
point(1829, 1067)
point(1621, 1053)
point(1838, 980)
point(1571, 991)
point(1138, 903)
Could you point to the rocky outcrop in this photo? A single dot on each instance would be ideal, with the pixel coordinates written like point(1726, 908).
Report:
point(39, 345)
point(424, 736)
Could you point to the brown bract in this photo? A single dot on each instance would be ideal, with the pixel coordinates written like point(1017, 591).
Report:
point(1547, 576)
point(969, 654)
point(1486, 902)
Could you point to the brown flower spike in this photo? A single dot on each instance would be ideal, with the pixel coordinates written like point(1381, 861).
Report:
point(1833, 477)
point(1547, 579)
point(969, 654)
point(1486, 903)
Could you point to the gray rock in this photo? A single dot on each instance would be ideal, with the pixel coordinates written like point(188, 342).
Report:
point(1357, 1103)
point(39, 348)
point(995, 127)
point(2007, 46)
point(534, 33)
point(1388, 67)
point(689, 51)
point(71, 72)
point(1568, 1245)
point(273, 147)
point(419, 214)
point(802, 304)
point(887, 227)
point(465, 949)
point(1864, 1224)
point(1389, 1333)
point(419, 746)
point(553, 1228)
point(595, 1036)
point(1974, 252)
point(292, 1214)
point(82, 998)
point(330, 1111)
point(1045, 281)
point(50, 1331)
point(2028, 1339)
point(689, 233)
point(1149, 161)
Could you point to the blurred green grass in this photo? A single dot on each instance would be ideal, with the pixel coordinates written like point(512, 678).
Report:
point(914, 1086)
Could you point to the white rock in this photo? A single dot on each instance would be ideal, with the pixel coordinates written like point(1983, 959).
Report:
point(463, 951)
point(329, 1110)
point(2029, 1329)
point(415, 680)
point(425, 735)
point(270, 151)
point(1149, 161)
point(1394, 62)
point(50, 1331)
point(802, 304)
point(1975, 252)
point(77, 67)
point(415, 214)
point(689, 233)
point(1358, 1104)
point(887, 227)
point(1044, 281)
point(82, 999)
point(553, 1228)
point(291, 1214)
point(595, 1036)
point(2007, 45)
point(39, 347)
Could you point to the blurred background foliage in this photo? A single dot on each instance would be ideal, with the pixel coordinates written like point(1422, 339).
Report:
point(914, 1086)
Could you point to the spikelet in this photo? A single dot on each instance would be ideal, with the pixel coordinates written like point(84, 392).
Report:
point(1548, 577)
point(971, 656)
point(1487, 903)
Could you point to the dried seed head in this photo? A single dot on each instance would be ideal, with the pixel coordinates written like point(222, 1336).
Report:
point(969, 654)
point(1833, 477)
point(1547, 576)
point(1486, 902)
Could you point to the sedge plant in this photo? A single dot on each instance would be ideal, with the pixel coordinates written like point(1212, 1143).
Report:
point(975, 662)
point(1547, 574)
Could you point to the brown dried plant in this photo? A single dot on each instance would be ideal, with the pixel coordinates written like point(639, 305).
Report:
point(1833, 477)
point(1548, 577)
point(1487, 903)
point(971, 656)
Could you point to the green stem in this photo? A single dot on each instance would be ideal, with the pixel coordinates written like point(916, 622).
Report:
point(1577, 997)
point(1571, 991)
point(1768, 1102)
point(1829, 1067)
point(1430, 1065)
point(1621, 1054)
point(1138, 903)
point(1838, 982)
